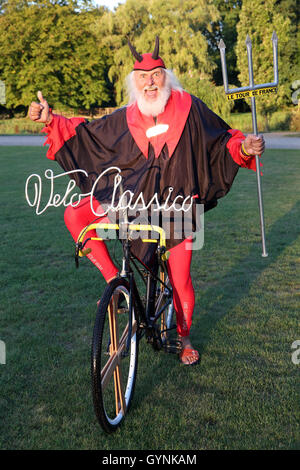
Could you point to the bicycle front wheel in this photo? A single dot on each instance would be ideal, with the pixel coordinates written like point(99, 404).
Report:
point(114, 355)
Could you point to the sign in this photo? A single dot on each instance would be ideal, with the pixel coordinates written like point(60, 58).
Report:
point(248, 94)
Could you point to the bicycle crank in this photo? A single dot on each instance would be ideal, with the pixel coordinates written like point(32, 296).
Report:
point(172, 346)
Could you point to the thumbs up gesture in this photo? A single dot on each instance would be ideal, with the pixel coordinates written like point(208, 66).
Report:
point(39, 112)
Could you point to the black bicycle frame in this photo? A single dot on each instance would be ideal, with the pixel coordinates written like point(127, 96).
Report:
point(146, 316)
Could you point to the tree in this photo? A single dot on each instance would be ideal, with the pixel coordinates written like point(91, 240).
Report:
point(49, 45)
point(213, 96)
point(290, 8)
point(179, 24)
point(225, 28)
point(259, 19)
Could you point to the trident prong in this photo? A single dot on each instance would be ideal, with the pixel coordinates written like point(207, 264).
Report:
point(222, 48)
point(251, 91)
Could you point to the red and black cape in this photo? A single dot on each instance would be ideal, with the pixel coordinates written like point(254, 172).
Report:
point(199, 155)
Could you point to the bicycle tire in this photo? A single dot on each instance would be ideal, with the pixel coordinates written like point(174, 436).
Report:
point(113, 372)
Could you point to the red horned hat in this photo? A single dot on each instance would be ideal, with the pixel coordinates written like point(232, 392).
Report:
point(147, 61)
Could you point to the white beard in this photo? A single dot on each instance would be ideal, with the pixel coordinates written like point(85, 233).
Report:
point(156, 107)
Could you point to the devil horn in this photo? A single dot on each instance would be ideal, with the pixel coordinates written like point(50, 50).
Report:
point(134, 52)
point(156, 49)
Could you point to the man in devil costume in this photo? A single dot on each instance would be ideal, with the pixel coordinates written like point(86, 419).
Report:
point(164, 138)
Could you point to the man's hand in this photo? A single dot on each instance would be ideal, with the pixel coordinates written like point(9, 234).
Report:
point(254, 145)
point(39, 112)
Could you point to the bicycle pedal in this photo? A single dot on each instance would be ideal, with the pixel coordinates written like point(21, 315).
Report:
point(172, 346)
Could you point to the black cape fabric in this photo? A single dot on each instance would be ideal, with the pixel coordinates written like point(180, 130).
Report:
point(201, 165)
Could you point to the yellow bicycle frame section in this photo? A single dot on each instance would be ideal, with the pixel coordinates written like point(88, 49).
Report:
point(131, 227)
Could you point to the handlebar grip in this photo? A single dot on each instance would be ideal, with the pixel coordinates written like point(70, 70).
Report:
point(85, 252)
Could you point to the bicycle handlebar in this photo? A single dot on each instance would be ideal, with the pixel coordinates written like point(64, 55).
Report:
point(131, 227)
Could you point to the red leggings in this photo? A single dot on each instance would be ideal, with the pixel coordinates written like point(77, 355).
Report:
point(179, 262)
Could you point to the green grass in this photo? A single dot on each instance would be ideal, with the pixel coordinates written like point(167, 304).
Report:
point(21, 126)
point(279, 121)
point(244, 393)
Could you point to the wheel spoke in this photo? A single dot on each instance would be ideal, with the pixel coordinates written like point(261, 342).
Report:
point(114, 334)
point(109, 369)
point(112, 367)
point(119, 391)
point(162, 318)
point(115, 356)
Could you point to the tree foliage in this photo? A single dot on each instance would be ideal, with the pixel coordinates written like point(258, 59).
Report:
point(77, 53)
point(259, 19)
point(179, 24)
point(49, 45)
point(213, 96)
point(225, 28)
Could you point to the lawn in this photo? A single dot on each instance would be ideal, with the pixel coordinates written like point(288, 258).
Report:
point(243, 395)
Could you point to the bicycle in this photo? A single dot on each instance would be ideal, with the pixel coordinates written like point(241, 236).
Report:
point(123, 318)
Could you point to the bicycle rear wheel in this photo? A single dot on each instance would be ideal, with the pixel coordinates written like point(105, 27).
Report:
point(114, 356)
point(167, 322)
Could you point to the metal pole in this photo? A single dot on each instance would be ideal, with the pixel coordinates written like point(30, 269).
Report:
point(254, 126)
point(222, 48)
point(275, 56)
point(251, 91)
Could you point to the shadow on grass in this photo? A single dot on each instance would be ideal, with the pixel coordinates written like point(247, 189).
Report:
point(287, 226)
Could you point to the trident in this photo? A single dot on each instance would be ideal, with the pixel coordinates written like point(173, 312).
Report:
point(253, 91)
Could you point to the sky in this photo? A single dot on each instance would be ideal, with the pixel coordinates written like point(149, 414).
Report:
point(109, 3)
